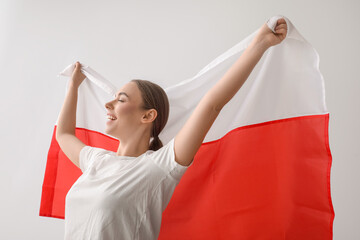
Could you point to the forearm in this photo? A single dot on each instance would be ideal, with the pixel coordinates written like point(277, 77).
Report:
point(222, 92)
point(67, 118)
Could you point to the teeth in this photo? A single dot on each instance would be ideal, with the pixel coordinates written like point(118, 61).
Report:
point(110, 117)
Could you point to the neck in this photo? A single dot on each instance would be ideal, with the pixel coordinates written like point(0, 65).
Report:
point(134, 145)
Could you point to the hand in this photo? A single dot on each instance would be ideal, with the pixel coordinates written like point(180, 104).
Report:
point(77, 76)
point(267, 37)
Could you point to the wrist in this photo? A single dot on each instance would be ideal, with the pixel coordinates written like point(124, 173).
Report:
point(73, 85)
point(260, 45)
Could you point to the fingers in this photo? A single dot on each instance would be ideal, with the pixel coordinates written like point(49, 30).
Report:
point(77, 65)
point(281, 32)
point(282, 25)
point(281, 20)
point(281, 28)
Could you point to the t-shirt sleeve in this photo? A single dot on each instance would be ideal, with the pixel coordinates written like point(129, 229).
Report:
point(88, 155)
point(165, 159)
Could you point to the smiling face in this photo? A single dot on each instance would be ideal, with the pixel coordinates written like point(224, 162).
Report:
point(126, 108)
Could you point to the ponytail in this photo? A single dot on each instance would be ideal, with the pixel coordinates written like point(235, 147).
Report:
point(155, 144)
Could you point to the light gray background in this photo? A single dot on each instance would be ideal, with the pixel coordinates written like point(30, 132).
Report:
point(165, 42)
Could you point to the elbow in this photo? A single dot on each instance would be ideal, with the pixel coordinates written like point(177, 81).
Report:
point(57, 137)
point(217, 108)
point(57, 134)
point(214, 104)
point(60, 133)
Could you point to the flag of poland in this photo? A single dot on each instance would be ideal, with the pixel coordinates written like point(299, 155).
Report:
point(263, 170)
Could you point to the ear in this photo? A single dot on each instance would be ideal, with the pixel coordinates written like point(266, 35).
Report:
point(150, 115)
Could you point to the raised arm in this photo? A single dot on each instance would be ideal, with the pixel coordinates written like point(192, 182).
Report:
point(65, 129)
point(190, 137)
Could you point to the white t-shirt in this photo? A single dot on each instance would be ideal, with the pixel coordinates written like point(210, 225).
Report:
point(121, 197)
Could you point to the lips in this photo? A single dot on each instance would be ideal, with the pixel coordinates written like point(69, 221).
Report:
point(110, 116)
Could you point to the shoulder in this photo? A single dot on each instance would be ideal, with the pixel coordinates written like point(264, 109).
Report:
point(89, 154)
point(165, 159)
point(90, 151)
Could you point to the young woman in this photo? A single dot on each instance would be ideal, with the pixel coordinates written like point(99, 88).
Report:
point(122, 195)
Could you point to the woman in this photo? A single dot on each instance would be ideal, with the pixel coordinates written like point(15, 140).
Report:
point(122, 195)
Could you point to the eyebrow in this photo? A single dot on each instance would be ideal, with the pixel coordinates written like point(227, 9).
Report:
point(122, 93)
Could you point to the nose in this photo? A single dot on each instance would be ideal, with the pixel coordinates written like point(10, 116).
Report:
point(109, 105)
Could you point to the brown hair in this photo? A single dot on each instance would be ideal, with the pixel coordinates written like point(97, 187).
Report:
point(154, 97)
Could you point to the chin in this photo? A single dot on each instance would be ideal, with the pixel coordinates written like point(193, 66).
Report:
point(108, 132)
